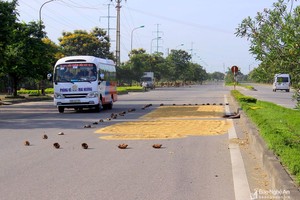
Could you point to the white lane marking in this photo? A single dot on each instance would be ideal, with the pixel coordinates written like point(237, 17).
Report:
point(240, 181)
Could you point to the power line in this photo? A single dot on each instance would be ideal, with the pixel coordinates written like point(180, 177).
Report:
point(181, 22)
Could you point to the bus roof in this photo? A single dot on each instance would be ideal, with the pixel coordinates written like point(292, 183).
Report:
point(83, 59)
point(283, 75)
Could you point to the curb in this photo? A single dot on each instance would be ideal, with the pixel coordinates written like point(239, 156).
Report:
point(280, 178)
point(16, 101)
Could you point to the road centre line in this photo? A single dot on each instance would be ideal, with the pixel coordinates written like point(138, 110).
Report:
point(240, 181)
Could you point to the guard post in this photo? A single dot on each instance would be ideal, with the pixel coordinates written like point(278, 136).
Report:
point(234, 70)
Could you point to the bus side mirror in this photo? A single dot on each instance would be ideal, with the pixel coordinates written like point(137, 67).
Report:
point(49, 77)
point(101, 77)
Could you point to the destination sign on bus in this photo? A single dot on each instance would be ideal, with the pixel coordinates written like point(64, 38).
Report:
point(77, 65)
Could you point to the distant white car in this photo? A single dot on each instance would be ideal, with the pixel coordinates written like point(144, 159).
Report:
point(282, 82)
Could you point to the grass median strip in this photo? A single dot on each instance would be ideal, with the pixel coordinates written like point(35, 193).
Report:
point(280, 129)
point(169, 122)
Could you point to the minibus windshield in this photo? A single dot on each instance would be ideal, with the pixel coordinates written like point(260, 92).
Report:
point(75, 72)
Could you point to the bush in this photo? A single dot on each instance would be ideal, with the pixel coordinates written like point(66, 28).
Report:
point(129, 89)
point(49, 91)
point(247, 99)
point(241, 98)
point(249, 87)
point(30, 92)
point(120, 90)
point(35, 92)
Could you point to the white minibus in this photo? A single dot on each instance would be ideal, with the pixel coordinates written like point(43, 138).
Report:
point(84, 82)
point(282, 82)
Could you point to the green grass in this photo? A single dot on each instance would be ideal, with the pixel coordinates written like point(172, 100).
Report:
point(249, 87)
point(35, 92)
point(130, 89)
point(279, 127)
point(231, 84)
point(120, 90)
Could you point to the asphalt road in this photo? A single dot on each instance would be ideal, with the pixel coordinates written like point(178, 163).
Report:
point(265, 93)
point(190, 168)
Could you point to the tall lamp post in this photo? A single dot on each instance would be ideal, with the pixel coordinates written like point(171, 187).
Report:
point(168, 50)
point(132, 34)
point(179, 45)
point(40, 12)
point(157, 38)
point(40, 27)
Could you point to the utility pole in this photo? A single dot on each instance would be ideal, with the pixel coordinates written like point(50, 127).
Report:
point(108, 20)
point(118, 36)
point(158, 37)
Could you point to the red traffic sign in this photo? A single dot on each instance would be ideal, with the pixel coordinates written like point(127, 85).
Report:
point(234, 69)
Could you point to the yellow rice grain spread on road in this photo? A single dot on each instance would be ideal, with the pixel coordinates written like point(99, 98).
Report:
point(169, 122)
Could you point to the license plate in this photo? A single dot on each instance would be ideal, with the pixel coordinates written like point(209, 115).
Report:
point(75, 101)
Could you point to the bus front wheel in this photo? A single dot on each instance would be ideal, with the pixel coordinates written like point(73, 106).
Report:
point(61, 109)
point(98, 107)
point(108, 106)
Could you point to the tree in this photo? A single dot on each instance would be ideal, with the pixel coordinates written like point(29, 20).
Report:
point(260, 75)
point(274, 36)
point(80, 42)
point(139, 63)
point(158, 65)
point(195, 72)
point(178, 62)
point(136, 52)
point(217, 76)
point(27, 55)
point(124, 74)
point(54, 52)
point(177, 66)
point(23, 53)
point(8, 17)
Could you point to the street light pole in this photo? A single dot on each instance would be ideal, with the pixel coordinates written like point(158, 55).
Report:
point(179, 46)
point(40, 13)
point(132, 34)
point(40, 32)
point(157, 38)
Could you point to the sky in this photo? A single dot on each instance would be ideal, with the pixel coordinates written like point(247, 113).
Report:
point(203, 28)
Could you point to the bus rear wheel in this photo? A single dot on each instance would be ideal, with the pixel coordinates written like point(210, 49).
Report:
point(108, 106)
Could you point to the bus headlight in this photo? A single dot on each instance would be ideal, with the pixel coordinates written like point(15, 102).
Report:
point(92, 95)
point(58, 95)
